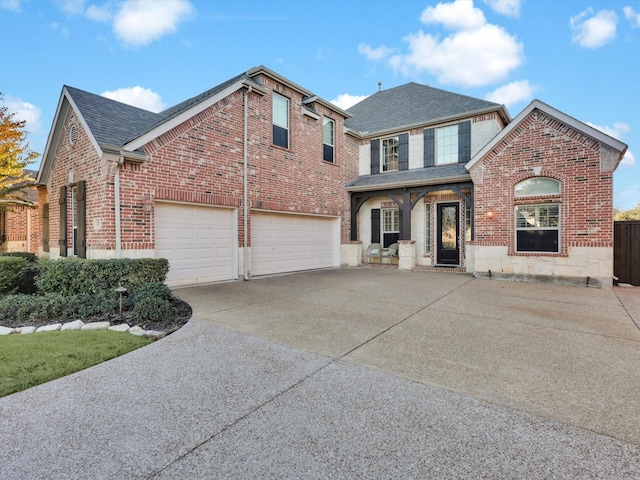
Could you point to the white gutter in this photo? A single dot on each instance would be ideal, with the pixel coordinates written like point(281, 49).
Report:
point(245, 213)
point(116, 194)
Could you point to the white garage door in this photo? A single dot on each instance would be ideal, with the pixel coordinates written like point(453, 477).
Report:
point(198, 242)
point(289, 243)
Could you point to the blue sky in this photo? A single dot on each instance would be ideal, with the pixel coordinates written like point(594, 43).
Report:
point(579, 56)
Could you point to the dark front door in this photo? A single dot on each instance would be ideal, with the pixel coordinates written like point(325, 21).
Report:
point(448, 250)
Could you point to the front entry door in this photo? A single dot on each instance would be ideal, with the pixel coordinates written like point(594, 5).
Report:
point(448, 249)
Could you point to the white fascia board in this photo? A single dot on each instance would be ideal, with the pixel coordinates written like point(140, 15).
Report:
point(183, 117)
point(558, 115)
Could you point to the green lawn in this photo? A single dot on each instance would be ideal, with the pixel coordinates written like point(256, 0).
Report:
point(29, 360)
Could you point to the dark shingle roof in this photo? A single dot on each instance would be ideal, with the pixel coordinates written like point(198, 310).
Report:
point(111, 122)
point(115, 123)
point(422, 176)
point(410, 104)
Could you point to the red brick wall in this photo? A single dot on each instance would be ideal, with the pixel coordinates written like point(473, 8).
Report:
point(21, 229)
point(562, 153)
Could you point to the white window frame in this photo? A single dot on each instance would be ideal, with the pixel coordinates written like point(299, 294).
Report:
point(427, 232)
point(278, 117)
point(389, 149)
point(524, 183)
point(391, 217)
point(446, 150)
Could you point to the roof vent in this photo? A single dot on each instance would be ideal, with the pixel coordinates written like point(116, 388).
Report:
point(73, 135)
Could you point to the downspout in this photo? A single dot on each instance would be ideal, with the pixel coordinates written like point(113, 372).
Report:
point(116, 194)
point(245, 214)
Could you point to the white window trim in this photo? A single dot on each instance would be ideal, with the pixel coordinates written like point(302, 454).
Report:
point(558, 228)
point(383, 157)
point(437, 147)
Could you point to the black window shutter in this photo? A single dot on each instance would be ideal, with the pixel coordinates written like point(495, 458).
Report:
point(429, 147)
point(375, 225)
point(464, 141)
point(63, 222)
point(375, 156)
point(45, 227)
point(81, 208)
point(403, 151)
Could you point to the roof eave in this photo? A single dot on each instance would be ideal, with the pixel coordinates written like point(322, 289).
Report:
point(410, 183)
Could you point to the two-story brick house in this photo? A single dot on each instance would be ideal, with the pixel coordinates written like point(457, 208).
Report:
point(256, 160)
point(259, 175)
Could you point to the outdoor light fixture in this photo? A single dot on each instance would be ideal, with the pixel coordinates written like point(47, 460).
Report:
point(121, 290)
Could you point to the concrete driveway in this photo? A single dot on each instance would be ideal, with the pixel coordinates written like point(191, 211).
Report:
point(353, 373)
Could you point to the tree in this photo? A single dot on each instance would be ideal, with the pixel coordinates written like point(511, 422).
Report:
point(15, 156)
point(633, 214)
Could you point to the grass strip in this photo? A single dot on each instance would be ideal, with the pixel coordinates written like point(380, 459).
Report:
point(29, 360)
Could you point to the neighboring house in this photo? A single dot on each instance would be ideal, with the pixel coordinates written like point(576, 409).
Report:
point(461, 185)
point(19, 224)
point(257, 160)
point(259, 176)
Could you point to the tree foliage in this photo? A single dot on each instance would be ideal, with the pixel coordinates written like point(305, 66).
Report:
point(633, 214)
point(15, 156)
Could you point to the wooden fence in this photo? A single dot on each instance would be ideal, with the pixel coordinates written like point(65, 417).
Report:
point(626, 251)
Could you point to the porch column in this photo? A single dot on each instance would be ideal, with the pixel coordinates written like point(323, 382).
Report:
point(407, 255)
point(405, 227)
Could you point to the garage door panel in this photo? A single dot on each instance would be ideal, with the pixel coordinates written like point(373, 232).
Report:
point(198, 241)
point(287, 243)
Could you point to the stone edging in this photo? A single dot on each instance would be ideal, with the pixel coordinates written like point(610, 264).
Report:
point(80, 325)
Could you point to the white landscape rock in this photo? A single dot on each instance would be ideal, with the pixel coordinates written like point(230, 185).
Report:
point(25, 330)
point(138, 331)
point(49, 328)
point(96, 326)
point(154, 334)
point(75, 325)
point(6, 330)
point(123, 327)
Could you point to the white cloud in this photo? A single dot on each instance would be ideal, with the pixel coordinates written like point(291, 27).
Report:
point(346, 100)
point(512, 93)
point(633, 16)
point(379, 53)
point(99, 14)
point(472, 58)
point(140, 22)
point(138, 97)
point(593, 30)
point(71, 7)
point(459, 15)
point(11, 5)
point(24, 111)
point(629, 159)
point(510, 8)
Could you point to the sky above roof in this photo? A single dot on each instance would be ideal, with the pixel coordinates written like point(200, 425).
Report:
point(579, 56)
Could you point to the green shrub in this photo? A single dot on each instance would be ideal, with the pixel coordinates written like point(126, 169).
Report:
point(75, 276)
point(28, 256)
point(152, 309)
point(11, 270)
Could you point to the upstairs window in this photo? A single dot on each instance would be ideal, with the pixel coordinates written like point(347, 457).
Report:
point(390, 154)
point(328, 127)
point(447, 145)
point(280, 121)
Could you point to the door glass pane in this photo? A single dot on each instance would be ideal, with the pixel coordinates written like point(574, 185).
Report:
point(449, 227)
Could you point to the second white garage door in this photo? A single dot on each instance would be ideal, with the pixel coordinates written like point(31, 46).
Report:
point(288, 243)
point(198, 241)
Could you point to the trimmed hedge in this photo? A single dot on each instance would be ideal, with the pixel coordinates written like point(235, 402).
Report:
point(78, 276)
point(11, 270)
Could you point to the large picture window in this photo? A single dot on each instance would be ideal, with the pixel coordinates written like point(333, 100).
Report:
point(538, 228)
point(280, 121)
point(390, 154)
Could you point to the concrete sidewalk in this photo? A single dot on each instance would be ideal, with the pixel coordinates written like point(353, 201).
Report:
point(352, 373)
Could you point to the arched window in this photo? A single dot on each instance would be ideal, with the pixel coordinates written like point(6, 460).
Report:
point(537, 186)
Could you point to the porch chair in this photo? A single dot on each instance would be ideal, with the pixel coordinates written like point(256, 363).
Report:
point(390, 252)
point(374, 250)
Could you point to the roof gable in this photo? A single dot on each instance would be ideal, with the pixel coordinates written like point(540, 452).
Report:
point(413, 104)
point(585, 129)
